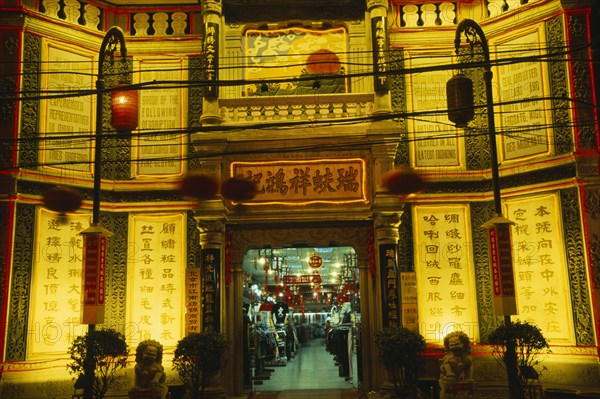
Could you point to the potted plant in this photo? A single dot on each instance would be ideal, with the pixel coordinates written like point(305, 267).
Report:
point(198, 358)
point(529, 344)
point(106, 351)
point(399, 351)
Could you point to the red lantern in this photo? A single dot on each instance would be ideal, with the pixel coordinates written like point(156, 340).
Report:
point(199, 186)
point(323, 62)
point(459, 94)
point(62, 199)
point(316, 278)
point(315, 261)
point(124, 106)
point(403, 182)
point(238, 189)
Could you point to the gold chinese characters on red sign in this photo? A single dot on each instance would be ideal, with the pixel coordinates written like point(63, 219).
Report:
point(305, 181)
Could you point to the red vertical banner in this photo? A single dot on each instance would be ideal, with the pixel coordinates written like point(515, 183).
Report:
point(502, 269)
point(95, 245)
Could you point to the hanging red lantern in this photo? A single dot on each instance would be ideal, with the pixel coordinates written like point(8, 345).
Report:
point(316, 278)
point(323, 61)
point(403, 181)
point(124, 106)
point(459, 95)
point(238, 189)
point(199, 186)
point(62, 199)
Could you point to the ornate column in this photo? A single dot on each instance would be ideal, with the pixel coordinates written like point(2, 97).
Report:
point(211, 43)
point(387, 235)
point(212, 239)
point(234, 314)
point(378, 10)
point(382, 289)
point(368, 310)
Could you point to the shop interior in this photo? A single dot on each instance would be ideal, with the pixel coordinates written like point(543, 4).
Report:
point(301, 318)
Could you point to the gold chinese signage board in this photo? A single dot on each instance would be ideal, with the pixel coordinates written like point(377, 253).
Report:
point(210, 289)
point(56, 287)
point(540, 267)
point(522, 87)
point(388, 258)
point(192, 300)
point(408, 298)
point(156, 277)
point(380, 45)
point(307, 181)
point(159, 146)
point(66, 123)
point(435, 144)
point(210, 47)
point(445, 271)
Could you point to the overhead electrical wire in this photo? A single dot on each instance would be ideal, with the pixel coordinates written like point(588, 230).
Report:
point(550, 56)
point(557, 55)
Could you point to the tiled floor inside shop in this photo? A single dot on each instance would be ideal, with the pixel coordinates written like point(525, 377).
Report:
point(311, 374)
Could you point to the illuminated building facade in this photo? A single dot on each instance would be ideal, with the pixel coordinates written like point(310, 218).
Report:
point(314, 103)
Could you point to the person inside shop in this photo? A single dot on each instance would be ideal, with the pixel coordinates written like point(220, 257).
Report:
point(327, 330)
point(334, 317)
point(346, 313)
point(279, 312)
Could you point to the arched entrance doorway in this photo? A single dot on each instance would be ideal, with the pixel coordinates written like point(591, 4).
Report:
point(302, 307)
point(282, 239)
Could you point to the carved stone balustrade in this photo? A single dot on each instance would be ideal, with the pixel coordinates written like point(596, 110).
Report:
point(295, 108)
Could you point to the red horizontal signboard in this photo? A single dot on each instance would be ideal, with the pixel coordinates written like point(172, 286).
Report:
point(302, 279)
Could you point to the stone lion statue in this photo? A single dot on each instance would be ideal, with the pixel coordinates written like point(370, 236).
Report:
point(457, 365)
point(149, 372)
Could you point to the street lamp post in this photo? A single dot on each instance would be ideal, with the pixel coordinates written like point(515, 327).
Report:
point(113, 38)
point(499, 226)
point(95, 237)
